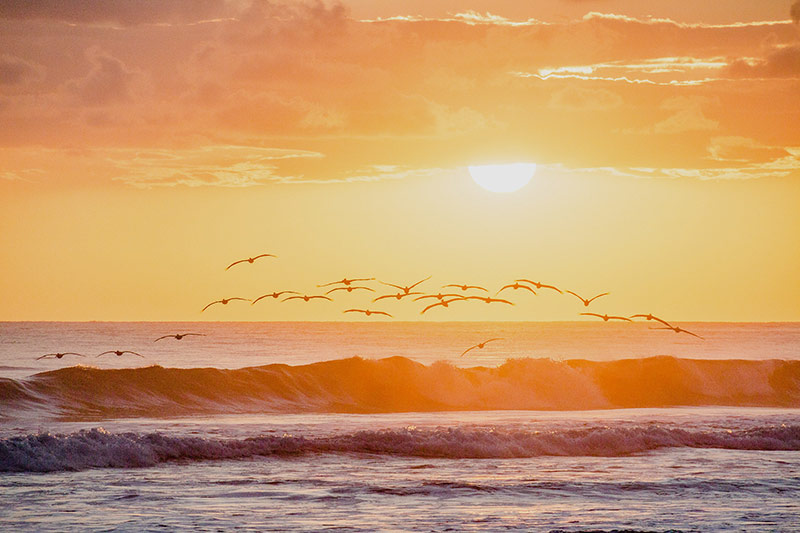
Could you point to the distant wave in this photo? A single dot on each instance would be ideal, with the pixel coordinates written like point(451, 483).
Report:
point(398, 384)
point(97, 448)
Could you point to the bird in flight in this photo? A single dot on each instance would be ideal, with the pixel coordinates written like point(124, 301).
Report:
point(539, 285)
point(224, 301)
point(466, 287)
point(249, 260)
point(439, 296)
point(179, 336)
point(120, 352)
point(399, 295)
point(443, 303)
point(350, 288)
point(650, 316)
point(367, 312)
point(516, 285)
point(59, 355)
point(345, 281)
point(584, 300)
point(606, 318)
point(273, 295)
point(480, 345)
point(488, 299)
point(406, 289)
point(306, 298)
point(676, 329)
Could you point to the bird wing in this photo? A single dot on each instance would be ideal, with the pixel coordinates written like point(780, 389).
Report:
point(662, 321)
point(365, 288)
point(478, 287)
point(323, 297)
point(134, 353)
point(45, 356)
point(393, 285)
point(551, 287)
point(209, 305)
point(331, 283)
point(237, 298)
point(621, 318)
point(403, 295)
point(384, 296)
point(499, 300)
point(430, 306)
point(692, 334)
point(334, 290)
point(426, 296)
point(264, 255)
point(235, 263)
point(260, 298)
point(576, 296)
point(481, 298)
point(362, 279)
point(505, 287)
point(528, 288)
point(354, 311)
point(492, 340)
point(590, 300)
point(468, 349)
point(420, 281)
point(291, 298)
point(164, 337)
point(527, 281)
point(381, 313)
point(109, 351)
point(592, 314)
point(196, 334)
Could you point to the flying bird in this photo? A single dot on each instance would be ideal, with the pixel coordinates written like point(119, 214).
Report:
point(488, 300)
point(606, 318)
point(273, 295)
point(479, 345)
point(59, 355)
point(676, 329)
point(249, 260)
point(120, 352)
point(438, 296)
point(466, 287)
point(539, 285)
point(406, 289)
point(443, 303)
point(367, 312)
point(650, 316)
point(350, 288)
point(584, 300)
point(345, 281)
point(224, 301)
point(516, 285)
point(306, 298)
point(179, 336)
point(399, 295)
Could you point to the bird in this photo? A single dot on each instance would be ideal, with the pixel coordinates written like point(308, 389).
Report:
point(584, 300)
point(59, 355)
point(650, 316)
point(306, 298)
point(516, 285)
point(438, 296)
point(676, 329)
point(120, 352)
point(539, 285)
point(480, 345)
point(249, 260)
point(349, 288)
point(465, 287)
point(367, 312)
point(276, 294)
point(399, 295)
point(443, 303)
point(345, 281)
point(179, 336)
point(406, 289)
point(224, 301)
point(488, 300)
point(606, 318)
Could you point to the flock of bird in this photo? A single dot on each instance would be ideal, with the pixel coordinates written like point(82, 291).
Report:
point(466, 293)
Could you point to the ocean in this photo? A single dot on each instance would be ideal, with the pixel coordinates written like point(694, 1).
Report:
point(386, 426)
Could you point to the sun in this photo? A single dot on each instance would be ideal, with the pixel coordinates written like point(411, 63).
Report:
point(502, 178)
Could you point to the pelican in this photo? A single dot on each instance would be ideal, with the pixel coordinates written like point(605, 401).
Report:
point(399, 295)
point(650, 316)
point(276, 294)
point(120, 352)
point(480, 345)
point(249, 260)
point(676, 329)
point(515, 286)
point(466, 287)
point(179, 336)
point(606, 318)
point(539, 285)
point(584, 300)
point(443, 303)
point(407, 288)
point(350, 288)
point(367, 312)
point(306, 298)
point(488, 300)
point(224, 301)
point(439, 296)
point(345, 281)
point(59, 355)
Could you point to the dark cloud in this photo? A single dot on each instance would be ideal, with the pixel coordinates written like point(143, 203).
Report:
point(783, 62)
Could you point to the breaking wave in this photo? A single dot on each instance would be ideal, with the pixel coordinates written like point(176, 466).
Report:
point(97, 448)
point(398, 384)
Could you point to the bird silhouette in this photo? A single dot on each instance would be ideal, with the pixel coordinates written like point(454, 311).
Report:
point(350, 288)
point(224, 301)
point(345, 281)
point(306, 298)
point(465, 287)
point(539, 285)
point(650, 316)
point(58, 355)
point(179, 336)
point(407, 288)
point(488, 299)
point(249, 260)
point(120, 352)
point(398, 296)
point(584, 300)
point(480, 345)
point(438, 296)
point(276, 294)
point(606, 318)
point(443, 303)
point(367, 312)
point(676, 329)
point(515, 286)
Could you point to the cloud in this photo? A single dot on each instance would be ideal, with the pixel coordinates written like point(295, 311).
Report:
point(745, 150)
point(688, 116)
point(782, 62)
point(17, 71)
point(108, 81)
point(576, 98)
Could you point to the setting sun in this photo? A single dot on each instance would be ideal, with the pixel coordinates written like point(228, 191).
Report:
point(503, 178)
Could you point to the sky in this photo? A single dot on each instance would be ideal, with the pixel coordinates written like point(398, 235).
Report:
point(146, 145)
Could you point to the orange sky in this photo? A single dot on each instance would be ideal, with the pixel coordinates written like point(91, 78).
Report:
point(145, 147)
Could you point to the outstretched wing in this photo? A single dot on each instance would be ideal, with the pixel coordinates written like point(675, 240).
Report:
point(498, 300)
point(576, 296)
point(621, 318)
point(431, 306)
point(212, 303)
point(420, 281)
point(109, 351)
point(165, 336)
point(235, 263)
point(590, 300)
point(322, 297)
point(264, 255)
point(392, 285)
point(592, 314)
point(384, 296)
point(134, 353)
point(468, 349)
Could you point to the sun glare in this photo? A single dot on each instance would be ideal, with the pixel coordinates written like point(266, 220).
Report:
point(502, 178)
